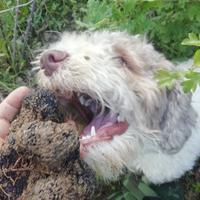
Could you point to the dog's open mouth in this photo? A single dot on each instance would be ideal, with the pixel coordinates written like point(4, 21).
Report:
point(102, 124)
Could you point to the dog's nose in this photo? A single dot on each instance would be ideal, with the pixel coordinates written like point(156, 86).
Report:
point(51, 60)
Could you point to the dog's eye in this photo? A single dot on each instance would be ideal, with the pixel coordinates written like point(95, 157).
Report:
point(119, 59)
point(87, 57)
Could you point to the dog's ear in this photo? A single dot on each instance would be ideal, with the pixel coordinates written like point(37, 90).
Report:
point(177, 121)
point(127, 58)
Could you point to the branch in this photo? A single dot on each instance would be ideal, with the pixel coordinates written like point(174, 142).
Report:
point(15, 7)
point(27, 32)
point(15, 32)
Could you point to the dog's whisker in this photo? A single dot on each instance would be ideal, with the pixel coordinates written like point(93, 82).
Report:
point(36, 62)
point(35, 69)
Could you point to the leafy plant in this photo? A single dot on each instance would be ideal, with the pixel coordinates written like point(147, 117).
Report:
point(190, 79)
point(196, 187)
point(130, 189)
point(166, 23)
point(193, 40)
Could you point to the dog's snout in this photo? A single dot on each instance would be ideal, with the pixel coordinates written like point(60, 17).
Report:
point(51, 60)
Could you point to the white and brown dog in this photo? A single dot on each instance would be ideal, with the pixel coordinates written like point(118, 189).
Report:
point(134, 124)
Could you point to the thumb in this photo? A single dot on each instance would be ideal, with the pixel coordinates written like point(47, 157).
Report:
point(9, 108)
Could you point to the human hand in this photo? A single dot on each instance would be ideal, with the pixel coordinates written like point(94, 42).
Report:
point(9, 108)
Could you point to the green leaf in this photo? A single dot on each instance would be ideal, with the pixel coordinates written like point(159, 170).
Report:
point(131, 186)
point(189, 85)
point(166, 78)
point(192, 40)
point(189, 42)
point(119, 197)
point(191, 82)
point(114, 195)
point(196, 58)
point(192, 36)
point(196, 187)
point(128, 196)
point(147, 190)
point(192, 75)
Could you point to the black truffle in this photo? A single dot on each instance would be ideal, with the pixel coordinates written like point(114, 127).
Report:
point(40, 159)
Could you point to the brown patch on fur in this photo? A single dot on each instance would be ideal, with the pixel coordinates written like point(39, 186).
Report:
point(127, 59)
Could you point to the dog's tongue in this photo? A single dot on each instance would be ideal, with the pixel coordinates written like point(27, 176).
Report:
point(105, 124)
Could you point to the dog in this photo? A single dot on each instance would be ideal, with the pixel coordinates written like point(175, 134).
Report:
point(132, 123)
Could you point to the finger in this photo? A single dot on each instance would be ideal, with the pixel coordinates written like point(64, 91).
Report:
point(4, 128)
point(10, 106)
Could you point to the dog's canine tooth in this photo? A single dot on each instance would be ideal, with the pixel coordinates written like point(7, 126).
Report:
point(82, 100)
point(120, 118)
point(78, 94)
point(93, 131)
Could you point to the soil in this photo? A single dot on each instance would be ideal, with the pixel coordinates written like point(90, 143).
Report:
point(40, 159)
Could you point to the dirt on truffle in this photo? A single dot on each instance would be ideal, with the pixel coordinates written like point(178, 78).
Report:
point(40, 159)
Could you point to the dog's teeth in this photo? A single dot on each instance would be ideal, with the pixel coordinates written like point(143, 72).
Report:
point(85, 137)
point(80, 139)
point(82, 100)
point(78, 94)
point(120, 119)
point(93, 131)
point(88, 102)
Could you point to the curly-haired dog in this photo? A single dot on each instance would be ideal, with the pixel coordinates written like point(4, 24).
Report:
point(132, 123)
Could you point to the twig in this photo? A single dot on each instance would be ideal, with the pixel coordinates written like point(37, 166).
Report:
point(28, 30)
point(15, 33)
point(43, 28)
point(56, 32)
point(8, 177)
point(1, 188)
point(15, 7)
point(17, 161)
point(19, 169)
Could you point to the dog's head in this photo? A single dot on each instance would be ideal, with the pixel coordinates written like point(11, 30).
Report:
point(110, 76)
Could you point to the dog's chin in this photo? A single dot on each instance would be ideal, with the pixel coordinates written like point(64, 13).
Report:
point(102, 123)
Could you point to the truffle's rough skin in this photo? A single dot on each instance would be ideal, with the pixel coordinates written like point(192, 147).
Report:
point(12, 182)
point(77, 185)
point(40, 160)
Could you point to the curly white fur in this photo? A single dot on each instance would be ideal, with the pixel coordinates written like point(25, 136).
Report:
point(163, 138)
